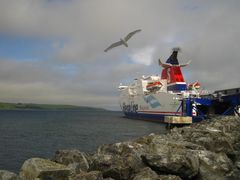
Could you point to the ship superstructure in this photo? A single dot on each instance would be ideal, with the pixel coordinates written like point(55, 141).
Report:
point(169, 99)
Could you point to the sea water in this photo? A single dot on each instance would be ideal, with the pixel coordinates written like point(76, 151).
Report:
point(39, 133)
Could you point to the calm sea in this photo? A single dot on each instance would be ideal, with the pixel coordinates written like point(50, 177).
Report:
point(26, 134)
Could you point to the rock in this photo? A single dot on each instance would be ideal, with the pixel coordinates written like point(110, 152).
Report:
point(7, 175)
point(214, 141)
point(182, 164)
point(168, 156)
point(92, 175)
point(43, 169)
point(169, 177)
point(148, 174)
point(122, 160)
point(214, 166)
point(211, 139)
point(76, 161)
point(221, 137)
point(115, 166)
point(75, 168)
point(118, 160)
point(237, 164)
point(145, 173)
point(219, 134)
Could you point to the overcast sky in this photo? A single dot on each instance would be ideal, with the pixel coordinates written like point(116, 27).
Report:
point(52, 51)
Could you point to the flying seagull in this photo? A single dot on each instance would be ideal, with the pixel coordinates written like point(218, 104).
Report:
point(122, 41)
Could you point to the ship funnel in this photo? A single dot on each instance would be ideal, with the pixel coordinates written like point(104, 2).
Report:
point(172, 72)
point(176, 49)
point(173, 58)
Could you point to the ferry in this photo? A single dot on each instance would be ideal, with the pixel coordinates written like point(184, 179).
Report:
point(167, 98)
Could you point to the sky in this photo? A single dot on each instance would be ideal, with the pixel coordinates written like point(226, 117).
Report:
point(52, 51)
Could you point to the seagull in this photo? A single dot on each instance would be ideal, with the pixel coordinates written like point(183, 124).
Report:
point(122, 41)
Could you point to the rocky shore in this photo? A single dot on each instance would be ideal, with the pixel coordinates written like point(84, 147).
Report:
point(204, 151)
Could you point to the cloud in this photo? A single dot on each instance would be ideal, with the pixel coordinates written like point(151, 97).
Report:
point(73, 69)
point(143, 56)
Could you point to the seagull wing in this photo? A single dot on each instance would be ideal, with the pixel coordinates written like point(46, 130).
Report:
point(131, 34)
point(113, 45)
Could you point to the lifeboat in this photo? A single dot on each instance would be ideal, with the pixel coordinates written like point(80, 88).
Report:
point(154, 86)
point(194, 86)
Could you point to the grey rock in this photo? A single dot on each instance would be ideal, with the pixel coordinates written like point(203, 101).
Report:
point(214, 166)
point(92, 175)
point(145, 174)
point(219, 134)
point(210, 138)
point(118, 160)
point(75, 168)
point(183, 164)
point(166, 155)
point(77, 161)
point(7, 175)
point(169, 177)
point(43, 169)
point(237, 164)
point(148, 174)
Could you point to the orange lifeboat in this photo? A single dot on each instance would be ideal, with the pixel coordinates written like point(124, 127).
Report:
point(194, 86)
point(154, 86)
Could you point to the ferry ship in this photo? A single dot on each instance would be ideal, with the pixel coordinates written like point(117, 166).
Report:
point(169, 99)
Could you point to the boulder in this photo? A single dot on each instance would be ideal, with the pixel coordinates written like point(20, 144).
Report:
point(118, 161)
point(169, 177)
point(212, 139)
point(43, 169)
point(215, 166)
point(145, 173)
point(92, 175)
point(220, 134)
point(169, 156)
point(178, 163)
point(7, 175)
point(148, 174)
point(76, 161)
point(162, 154)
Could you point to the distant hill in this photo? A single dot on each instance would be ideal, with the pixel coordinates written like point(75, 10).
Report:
point(29, 106)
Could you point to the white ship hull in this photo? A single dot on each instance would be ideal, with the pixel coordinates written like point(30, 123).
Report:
point(153, 106)
point(156, 97)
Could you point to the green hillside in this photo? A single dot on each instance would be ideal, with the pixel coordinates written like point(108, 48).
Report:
point(12, 106)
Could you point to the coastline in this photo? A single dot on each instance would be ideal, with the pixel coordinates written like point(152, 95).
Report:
point(206, 150)
point(32, 106)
